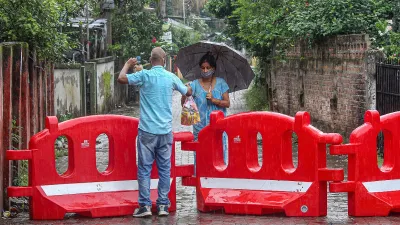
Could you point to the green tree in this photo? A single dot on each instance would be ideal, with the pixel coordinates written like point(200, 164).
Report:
point(262, 22)
point(133, 29)
point(198, 25)
point(321, 18)
point(396, 16)
point(223, 9)
point(182, 38)
point(268, 24)
point(39, 23)
point(269, 27)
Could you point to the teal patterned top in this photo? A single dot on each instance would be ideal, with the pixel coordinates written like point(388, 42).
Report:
point(206, 106)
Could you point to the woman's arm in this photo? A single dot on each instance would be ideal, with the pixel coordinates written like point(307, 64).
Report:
point(224, 103)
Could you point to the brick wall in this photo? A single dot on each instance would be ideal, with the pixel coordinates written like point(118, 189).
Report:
point(333, 80)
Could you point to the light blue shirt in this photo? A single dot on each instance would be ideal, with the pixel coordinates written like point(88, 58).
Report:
point(156, 88)
point(206, 106)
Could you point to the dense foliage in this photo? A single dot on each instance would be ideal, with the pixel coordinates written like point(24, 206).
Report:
point(224, 9)
point(133, 29)
point(263, 23)
point(44, 25)
point(182, 38)
point(39, 23)
point(268, 27)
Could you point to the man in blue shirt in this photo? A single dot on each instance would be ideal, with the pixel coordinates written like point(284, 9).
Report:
point(155, 127)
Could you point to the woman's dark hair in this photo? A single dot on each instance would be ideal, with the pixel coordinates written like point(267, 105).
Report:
point(208, 58)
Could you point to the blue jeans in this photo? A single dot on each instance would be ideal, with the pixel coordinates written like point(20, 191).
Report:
point(150, 147)
point(225, 149)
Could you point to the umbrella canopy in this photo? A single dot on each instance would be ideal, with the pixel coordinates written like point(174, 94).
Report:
point(231, 64)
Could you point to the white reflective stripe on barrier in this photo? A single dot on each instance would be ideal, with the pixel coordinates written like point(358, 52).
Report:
point(255, 185)
point(95, 187)
point(382, 185)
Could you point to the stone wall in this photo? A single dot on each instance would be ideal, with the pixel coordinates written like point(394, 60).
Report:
point(333, 80)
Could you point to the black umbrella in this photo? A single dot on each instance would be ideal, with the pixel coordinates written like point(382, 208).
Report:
point(231, 64)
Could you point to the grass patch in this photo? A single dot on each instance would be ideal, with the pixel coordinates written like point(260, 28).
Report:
point(65, 117)
point(61, 153)
point(22, 179)
point(61, 141)
point(20, 167)
point(380, 160)
point(256, 98)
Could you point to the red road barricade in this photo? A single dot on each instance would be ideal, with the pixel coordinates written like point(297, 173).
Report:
point(245, 187)
point(82, 188)
point(185, 171)
point(372, 191)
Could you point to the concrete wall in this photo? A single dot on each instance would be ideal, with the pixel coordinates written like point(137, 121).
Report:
point(333, 80)
point(67, 94)
point(105, 85)
point(89, 89)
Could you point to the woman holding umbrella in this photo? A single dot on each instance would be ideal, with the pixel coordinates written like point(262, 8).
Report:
point(210, 93)
point(222, 70)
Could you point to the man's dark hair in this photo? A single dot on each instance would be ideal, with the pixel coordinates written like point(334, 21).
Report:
point(208, 58)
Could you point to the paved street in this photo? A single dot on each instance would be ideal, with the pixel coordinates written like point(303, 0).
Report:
point(186, 202)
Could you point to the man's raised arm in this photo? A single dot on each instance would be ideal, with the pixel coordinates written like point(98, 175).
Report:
point(122, 78)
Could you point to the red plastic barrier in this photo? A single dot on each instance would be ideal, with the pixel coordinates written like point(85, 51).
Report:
point(82, 188)
point(244, 187)
point(186, 171)
point(372, 191)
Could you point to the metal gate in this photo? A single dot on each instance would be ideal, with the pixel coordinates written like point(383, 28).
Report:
point(387, 93)
point(387, 88)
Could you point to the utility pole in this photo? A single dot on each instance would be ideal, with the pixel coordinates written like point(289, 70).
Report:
point(396, 17)
point(82, 36)
point(87, 31)
point(107, 7)
point(183, 7)
point(162, 8)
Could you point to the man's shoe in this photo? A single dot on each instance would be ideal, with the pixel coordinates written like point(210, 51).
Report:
point(143, 211)
point(163, 210)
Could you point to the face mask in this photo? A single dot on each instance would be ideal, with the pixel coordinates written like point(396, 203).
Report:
point(207, 74)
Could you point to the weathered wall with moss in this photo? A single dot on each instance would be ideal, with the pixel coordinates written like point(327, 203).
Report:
point(334, 81)
point(105, 86)
point(87, 89)
point(67, 92)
